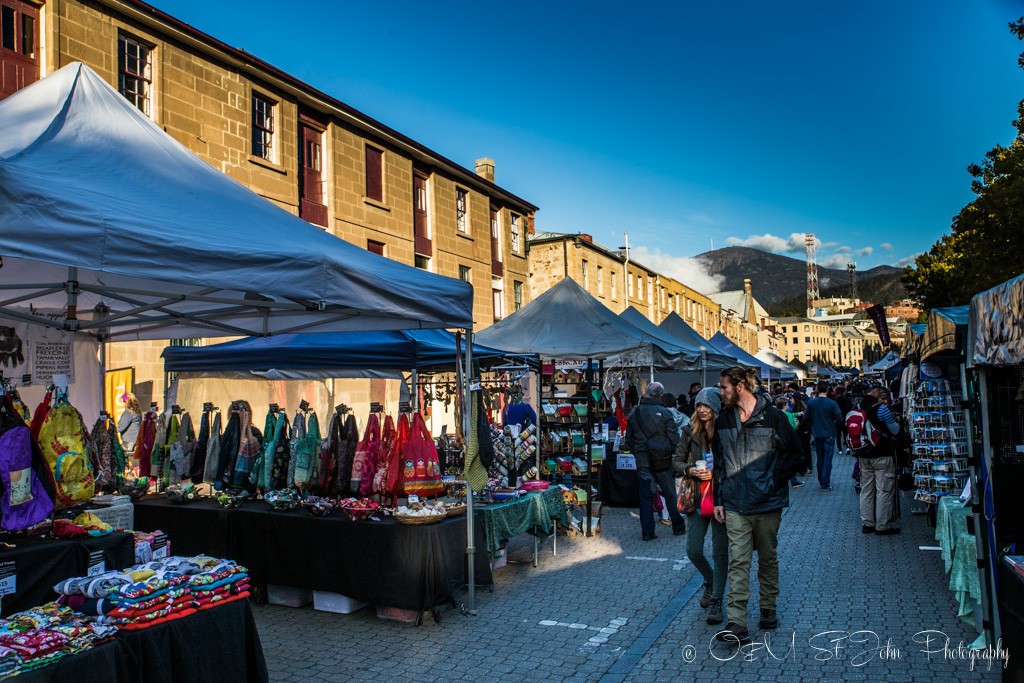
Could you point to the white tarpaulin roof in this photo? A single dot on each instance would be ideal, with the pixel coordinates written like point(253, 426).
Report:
point(98, 204)
point(786, 370)
point(995, 325)
point(566, 323)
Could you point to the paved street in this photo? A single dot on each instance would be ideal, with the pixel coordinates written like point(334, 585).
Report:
point(618, 609)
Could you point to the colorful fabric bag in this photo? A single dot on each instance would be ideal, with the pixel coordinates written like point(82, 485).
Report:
point(686, 496)
point(24, 500)
point(375, 456)
point(389, 475)
point(370, 442)
point(307, 451)
point(422, 469)
point(69, 454)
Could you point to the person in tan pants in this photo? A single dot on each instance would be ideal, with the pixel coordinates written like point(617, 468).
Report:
point(878, 468)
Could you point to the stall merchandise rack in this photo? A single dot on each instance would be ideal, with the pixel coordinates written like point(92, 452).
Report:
point(939, 432)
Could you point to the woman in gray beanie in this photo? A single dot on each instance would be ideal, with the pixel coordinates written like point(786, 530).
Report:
point(695, 447)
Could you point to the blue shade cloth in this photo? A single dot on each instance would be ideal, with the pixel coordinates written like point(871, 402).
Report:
point(401, 350)
point(745, 359)
point(87, 181)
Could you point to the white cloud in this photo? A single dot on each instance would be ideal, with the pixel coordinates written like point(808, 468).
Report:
point(843, 250)
point(887, 247)
point(769, 242)
point(689, 271)
point(908, 261)
point(829, 245)
point(834, 261)
point(866, 251)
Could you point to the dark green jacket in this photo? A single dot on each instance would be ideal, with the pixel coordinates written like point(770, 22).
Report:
point(754, 461)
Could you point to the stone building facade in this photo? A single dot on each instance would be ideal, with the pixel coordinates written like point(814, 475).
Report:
point(307, 152)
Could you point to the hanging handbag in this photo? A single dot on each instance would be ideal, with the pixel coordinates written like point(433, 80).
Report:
point(307, 451)
point(24, 500)
point(686, 497)
point(422, 468)
point(707, 499)
point(370, 441)
point(375, 458)
point(389, 475)
point(69, 453)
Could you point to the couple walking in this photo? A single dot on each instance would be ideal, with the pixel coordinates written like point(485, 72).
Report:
point(751, 452)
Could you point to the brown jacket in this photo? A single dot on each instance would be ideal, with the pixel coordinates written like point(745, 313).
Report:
point(688, 452)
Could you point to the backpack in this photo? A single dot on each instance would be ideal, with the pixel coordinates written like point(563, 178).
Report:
point(24, 499)
point(69, 452)
point(861, 435)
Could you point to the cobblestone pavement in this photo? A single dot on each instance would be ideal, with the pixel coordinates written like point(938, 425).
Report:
point(615, 608)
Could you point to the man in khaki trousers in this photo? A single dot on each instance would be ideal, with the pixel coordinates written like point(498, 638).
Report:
point(878, 468)
point(756, 453)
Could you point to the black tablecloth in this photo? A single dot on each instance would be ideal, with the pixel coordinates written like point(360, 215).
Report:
point(40, 563)
point(380, 562)
point(219, 644)
point(618, 488)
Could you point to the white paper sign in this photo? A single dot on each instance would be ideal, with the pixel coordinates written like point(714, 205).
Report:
point(8, 578)
point(625, 461)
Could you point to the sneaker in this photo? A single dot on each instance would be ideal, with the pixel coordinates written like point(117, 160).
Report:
point(679, 532)
point(715, 615)
point(733, 633)
point(796, 483)
point(769, 620)
point(666, 520)
point(705, 599)
point(826, 488)
point(887, 532)
point(649, 538)
point(867, 529)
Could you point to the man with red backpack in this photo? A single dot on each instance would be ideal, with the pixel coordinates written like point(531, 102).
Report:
point(871, 434)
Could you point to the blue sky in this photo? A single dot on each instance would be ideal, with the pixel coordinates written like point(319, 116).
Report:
point(679, 122)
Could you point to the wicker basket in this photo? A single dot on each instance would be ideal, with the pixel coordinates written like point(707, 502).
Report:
point(455, 511)
point(415, 520)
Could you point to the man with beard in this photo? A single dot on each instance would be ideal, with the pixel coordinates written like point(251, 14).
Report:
point(756, 454)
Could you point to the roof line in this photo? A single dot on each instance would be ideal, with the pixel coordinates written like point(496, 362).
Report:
point(140, 10)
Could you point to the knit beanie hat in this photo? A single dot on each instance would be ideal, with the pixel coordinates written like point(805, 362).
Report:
point(710, 397)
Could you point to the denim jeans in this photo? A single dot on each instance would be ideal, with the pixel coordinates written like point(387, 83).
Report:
point(647, 479)
point(825, 447)
point(714, 572)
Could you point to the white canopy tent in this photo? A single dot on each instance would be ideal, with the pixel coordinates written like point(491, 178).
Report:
point(786, 370)
point(101, 210)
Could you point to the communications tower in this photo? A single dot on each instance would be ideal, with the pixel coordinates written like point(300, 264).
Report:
point(812, 274)
point(851, 268)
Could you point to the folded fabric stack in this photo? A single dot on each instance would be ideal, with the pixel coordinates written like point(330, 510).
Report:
point(155, 592)
point(40, 636)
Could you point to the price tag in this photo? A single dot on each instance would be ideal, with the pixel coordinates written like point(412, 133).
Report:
point(61, 382)
point(97, 565)
point(475, 385)
point(8, 578)
point(160, 550)
point(413, 498)
point(604, 431)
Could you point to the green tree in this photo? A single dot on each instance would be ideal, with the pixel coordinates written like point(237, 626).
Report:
point(984, 246)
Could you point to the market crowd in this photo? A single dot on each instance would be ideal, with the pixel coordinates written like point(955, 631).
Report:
point(722, 459)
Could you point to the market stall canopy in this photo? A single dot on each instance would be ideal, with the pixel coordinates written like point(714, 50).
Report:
point(996, 325)
point(568, 323)
point(663, 338)
point(326, 353)
point(99, 207)
point(744, 358)
point(677, 327)
point(787, 371)
point(912, 344)
point(946, 331)
point(891, 359)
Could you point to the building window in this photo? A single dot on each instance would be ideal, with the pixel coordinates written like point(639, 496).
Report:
point(516, 247)
point(461, 210)
point(807, 328)
point(584, 273)
point(464, 273)
point(135, 72)
point(807, 340)
point(600, 280)
point(611, 282)
point(629, 284)
point(650, 291)
point(422, 262)
point(375, 247)
point(640, 287)
point(374, 174)
point(517, 294)
point(498, 298)
point(262, 127)
point(796, 340)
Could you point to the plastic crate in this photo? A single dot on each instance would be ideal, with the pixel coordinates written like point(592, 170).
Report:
point(336, 602)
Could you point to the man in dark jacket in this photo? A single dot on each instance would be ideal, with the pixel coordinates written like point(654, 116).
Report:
point(648, 420)
point(756, 453)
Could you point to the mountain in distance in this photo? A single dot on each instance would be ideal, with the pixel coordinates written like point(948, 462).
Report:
point(776, 278)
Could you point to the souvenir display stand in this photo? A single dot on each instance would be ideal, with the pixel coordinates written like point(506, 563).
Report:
point(939, 433)
point(995, 358)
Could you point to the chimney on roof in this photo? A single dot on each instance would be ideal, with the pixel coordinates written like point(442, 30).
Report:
point(485, 168)
point(586, 238)
point(746, 285)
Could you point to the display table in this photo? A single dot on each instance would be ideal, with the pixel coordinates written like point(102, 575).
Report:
point(950, 524)
point(35, 565)
point(381, 562)
point(219, 644)
point(535, 512)
point(618, 488)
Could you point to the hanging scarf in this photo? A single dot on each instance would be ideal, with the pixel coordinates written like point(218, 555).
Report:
point(228, 451)
point(212, 451)
point(163, 461)
point(475, 473)
point(298, 431)
point(144, 444)
point(276, 432)
point(202, 443)
point(104, 464)
point(307, 454)
point(370, 443)
point(278, 476)
point(347, 442)
point(248, 447)
point(182, 450)
point(328, 471)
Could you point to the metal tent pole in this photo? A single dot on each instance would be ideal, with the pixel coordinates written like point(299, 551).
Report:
point(467, 423)
point(589, 440)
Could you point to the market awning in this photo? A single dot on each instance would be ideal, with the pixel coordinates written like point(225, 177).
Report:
point(101, 209)
point(745, 359)
point(679, 329)
point(946, 331)
point(787, 371)
point(912, 342)
point(891, 359)
point(567, 323)
point(996, 325)
point(326, 353)
point(663, 338)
